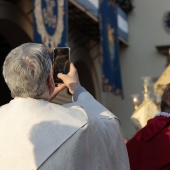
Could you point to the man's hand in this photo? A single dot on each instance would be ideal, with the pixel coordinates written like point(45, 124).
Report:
point(71, 80)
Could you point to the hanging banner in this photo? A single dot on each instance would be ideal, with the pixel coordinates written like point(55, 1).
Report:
point(110, 47)
point(50, 23)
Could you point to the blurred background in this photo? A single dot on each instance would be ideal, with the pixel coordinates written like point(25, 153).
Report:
point(119, 47)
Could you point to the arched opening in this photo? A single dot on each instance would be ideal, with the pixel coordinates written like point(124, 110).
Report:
point(85, 77)
point(5, 95)
point(14, 31)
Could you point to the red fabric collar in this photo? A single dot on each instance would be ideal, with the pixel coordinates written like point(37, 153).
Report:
point(154, 126)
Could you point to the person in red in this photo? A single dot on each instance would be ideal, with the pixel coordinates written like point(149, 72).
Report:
point(149, 149)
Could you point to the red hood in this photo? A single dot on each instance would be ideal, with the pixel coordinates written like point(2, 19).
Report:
point(154, 126)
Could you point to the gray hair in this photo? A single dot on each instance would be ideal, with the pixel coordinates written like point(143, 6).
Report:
point(26, 69)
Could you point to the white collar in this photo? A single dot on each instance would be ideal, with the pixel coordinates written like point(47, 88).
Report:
point(163, 114)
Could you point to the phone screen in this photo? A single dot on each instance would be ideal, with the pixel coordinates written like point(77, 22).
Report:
point(61, 63)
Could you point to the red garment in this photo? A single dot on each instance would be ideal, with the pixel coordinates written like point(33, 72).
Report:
point(149, 149)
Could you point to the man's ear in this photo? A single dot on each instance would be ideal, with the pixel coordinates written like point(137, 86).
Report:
point(50, 81)
point(50, 84)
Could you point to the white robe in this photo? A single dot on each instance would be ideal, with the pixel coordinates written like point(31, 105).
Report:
point(83, 135)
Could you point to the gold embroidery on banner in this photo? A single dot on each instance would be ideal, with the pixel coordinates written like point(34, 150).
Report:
point(50, 41)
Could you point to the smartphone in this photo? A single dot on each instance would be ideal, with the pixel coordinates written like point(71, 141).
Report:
point(61, 62)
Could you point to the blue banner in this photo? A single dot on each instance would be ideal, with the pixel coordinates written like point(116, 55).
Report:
point(110, 47)
point(50, 23)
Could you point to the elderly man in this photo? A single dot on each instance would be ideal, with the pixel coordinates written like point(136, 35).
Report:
point(38, 134)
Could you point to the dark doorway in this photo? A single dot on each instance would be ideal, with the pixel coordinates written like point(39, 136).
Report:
point(85, 77)
point(5, 48)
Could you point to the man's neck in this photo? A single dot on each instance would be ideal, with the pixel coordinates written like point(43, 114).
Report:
point(45, 96)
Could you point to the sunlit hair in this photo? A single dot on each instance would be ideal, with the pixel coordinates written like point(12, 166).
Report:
point(165, 101)
point(26, 69)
